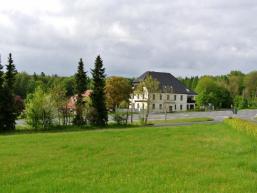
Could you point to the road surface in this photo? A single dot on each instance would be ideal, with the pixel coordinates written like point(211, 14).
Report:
point(216, 115)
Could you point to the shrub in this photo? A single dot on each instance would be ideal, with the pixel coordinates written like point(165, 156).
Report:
point(120, 117)
point(243, 125)
point(240, 102)
point(141, 117)
point(40, 110)
point(91, 115)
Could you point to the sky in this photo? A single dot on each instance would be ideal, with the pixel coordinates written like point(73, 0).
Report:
point(183, 37)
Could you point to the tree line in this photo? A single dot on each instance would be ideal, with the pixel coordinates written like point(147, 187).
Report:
point(235, 89)
point(43, 99)
point(44, 107)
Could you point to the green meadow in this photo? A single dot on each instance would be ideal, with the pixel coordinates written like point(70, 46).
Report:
point(202, 158)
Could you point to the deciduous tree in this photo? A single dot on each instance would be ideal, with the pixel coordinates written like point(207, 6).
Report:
point(117, 90)
point(40, 109)
point(209, 92)
point(250, 83)
point(235, 83)
point(147, 87)
point(58, 94)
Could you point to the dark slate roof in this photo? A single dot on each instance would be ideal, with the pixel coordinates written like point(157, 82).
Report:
point(166, 80)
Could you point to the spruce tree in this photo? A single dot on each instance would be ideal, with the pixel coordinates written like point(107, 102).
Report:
point(98, 95)
point(81, 87)
point(1, 97)
point(9, 110)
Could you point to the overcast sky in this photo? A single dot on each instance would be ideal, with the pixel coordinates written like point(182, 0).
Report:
point(183, 37)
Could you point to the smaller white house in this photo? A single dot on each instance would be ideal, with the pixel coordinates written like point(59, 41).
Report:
point(173, 95)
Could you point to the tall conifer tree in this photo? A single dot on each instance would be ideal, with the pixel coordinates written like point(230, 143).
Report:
point(81, 87)
point(98, 95)
point(9, 110)
point(1, 97)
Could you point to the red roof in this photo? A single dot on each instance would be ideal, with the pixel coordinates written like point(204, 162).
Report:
point(87, 93)
point(72, 101)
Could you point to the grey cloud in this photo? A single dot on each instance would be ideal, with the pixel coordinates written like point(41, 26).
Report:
point(183, 37)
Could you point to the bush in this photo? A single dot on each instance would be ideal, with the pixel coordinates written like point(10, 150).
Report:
point(244, 103)
point(40, 110)
point(120, 118)
point(253, 103)
point(91, 115)
point(243, 125)
point(141, 117)
point(240, 102)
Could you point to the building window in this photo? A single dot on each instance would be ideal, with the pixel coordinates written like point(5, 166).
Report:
point(160, 106)
point(168, 97)
point(137, 96)
point(160, 96)
point(138, 105)
point(181, 107)
point(143, 96)
point(153, 96)
point(143, 105)
point(153, 107)
point(181, 97)
point(175, 107)
point(175, 97)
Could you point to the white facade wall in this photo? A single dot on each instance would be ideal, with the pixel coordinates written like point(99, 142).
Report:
point(161, 102)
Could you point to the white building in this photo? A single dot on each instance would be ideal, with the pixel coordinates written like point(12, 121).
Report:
point(173, 95)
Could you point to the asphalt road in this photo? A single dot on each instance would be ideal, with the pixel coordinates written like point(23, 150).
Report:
point(216, 115)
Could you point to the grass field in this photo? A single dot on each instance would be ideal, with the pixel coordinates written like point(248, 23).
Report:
point(191, 159)
point(180, 120)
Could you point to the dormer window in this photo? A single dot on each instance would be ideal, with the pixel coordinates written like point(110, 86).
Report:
point(171, 89)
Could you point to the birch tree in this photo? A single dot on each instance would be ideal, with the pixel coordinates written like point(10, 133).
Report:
point(147, 87)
